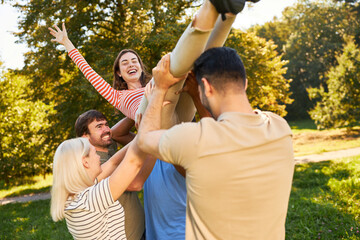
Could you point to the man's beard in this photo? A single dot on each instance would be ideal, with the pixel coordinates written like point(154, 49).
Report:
point(100, 142)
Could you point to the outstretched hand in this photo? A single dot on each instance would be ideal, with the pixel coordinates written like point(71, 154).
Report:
point(60, 35)
point(161, 73)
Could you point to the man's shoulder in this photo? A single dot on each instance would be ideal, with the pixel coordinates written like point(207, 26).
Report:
point(276, 119)
point(183, 127)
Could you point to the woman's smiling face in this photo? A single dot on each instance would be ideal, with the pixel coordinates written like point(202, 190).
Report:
point(130, 68)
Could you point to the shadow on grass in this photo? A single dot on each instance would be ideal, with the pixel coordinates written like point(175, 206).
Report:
point(303, 124)
point(316, 211)
point(351, 134)
point(17, 182)
point(29, 191)
point(30, 220)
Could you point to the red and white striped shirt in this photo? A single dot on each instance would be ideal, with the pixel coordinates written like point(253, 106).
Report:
point(127, 101)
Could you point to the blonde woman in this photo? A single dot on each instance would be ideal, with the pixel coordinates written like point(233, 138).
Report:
point(84, 191)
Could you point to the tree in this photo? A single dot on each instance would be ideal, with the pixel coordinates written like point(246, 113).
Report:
point(267, 87)
point(100, 29)
point(276, 30)
point(354, 6)
point(340, 104)
point(23, 149)
point(313, 34)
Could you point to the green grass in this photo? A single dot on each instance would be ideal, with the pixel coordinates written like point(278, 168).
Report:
point(35, 184)
point(308, 140)
point(324, 204)
point(30, 221)
point(325, 201)
point(302, 125)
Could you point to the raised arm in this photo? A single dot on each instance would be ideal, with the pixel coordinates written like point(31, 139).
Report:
point(95, 79)
point(126, 101)
point(126, 172)
point(121, 131)
point(149, 132)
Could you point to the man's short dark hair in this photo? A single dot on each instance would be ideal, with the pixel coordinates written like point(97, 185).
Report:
point(83, 121)
point(220, 66)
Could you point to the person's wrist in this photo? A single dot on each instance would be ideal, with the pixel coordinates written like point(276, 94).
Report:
point(68, 45)
point(161, 89)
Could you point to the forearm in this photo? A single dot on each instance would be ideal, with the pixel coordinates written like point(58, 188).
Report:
point(121, 131)
point(151, 121)
point(143, 174)
point(68, 45)
point(109, 166)
point(125, 173)
point(95, 79)
point(152, 118)
point(124, 139)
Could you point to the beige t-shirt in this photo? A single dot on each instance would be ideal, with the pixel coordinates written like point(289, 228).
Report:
point(239, 172)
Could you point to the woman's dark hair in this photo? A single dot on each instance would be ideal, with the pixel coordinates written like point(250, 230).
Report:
point(119, 83)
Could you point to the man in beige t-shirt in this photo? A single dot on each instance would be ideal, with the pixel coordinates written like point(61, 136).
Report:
point(239, 167)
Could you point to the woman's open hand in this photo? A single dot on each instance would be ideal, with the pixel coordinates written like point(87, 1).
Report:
point(61, 37)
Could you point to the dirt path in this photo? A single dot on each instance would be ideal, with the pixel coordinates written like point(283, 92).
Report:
point(25, 198)
point(298, 160)
point(328, 155)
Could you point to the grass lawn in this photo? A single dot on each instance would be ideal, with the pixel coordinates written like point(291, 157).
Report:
point(325, 201)
point(324, 204)
point(308, 140)
point(35, 184)
point(30, 221)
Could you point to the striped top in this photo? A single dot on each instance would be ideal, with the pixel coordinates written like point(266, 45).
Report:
point(127, 101)
point(93, 214)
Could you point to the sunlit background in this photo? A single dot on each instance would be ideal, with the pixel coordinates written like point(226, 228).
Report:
point(11, 53)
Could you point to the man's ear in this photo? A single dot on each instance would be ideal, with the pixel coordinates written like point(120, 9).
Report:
point(86, 136)
point(246, 84)
point(208, 89)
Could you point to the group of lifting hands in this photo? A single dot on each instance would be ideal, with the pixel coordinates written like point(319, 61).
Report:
point(236, 164)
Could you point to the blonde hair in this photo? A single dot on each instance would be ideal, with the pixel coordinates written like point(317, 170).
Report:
point(69, 174)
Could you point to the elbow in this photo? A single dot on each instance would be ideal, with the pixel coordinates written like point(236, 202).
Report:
point(135, 187)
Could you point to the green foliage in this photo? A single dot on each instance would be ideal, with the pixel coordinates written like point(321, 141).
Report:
point(23, 148)
point(100, 29)
point(276, 30)
point(267, 88)
point(310, 34)
point(340, 104)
